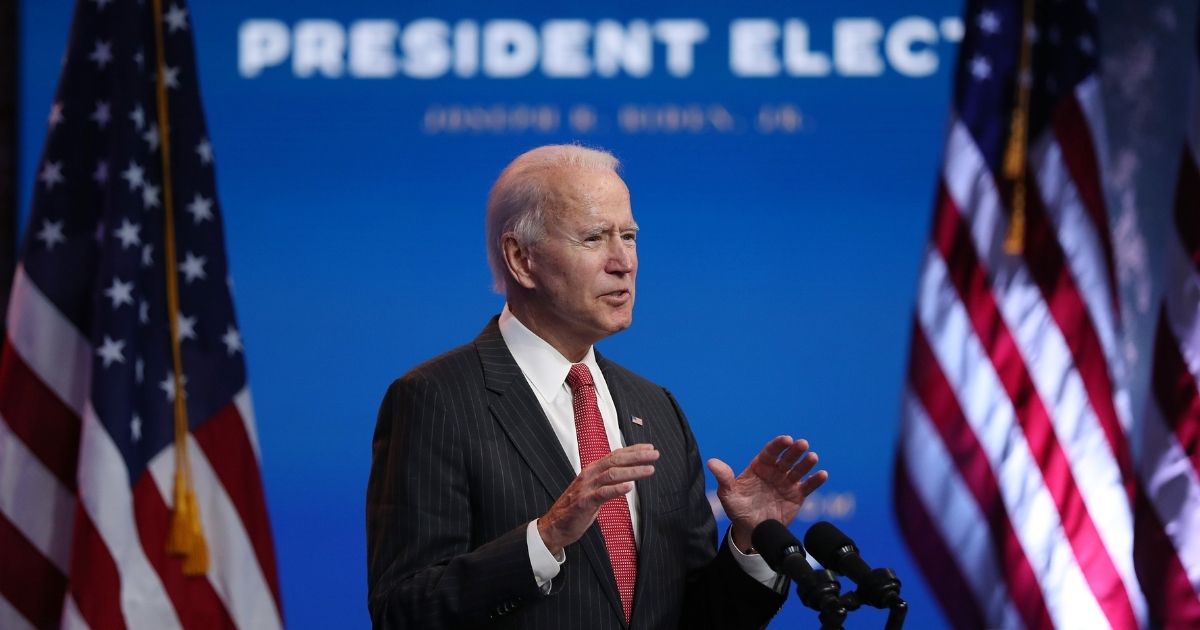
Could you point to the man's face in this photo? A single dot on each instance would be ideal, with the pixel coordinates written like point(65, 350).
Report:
point(585, 268)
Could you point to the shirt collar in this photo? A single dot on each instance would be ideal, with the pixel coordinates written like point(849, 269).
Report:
point(544, 366)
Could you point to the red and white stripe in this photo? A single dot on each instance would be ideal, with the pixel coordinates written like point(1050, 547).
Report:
point(1168, 553)
point(1017, 378)
point(82, 547)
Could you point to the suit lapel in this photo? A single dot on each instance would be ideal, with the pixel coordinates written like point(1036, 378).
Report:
point(516, 408)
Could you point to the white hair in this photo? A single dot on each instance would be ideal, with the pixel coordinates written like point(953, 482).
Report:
point(525, 190)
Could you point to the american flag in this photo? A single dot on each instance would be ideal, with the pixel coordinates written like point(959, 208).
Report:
point(1015, 478)
point(1167, 529)
point(88, 387)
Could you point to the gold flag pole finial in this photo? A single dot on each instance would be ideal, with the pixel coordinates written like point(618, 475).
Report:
point(1018, 137)
point(186, 537)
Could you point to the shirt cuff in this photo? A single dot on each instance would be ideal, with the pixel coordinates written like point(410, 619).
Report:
point(545, 565)
point(754, 565)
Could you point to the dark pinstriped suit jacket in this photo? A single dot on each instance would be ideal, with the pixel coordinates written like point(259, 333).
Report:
point(464, 458)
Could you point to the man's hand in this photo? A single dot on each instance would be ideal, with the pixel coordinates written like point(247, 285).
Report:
point(607, 478)
point(772, 486)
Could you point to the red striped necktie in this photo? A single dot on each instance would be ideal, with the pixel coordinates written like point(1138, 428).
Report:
point(614, 518)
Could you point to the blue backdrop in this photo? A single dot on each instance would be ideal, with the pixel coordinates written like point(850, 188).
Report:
point(783, 188)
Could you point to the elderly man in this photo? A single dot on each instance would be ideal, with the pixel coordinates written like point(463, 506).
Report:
point(525, 481)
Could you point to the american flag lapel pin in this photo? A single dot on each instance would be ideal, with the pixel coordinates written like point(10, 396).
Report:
point(638, 421)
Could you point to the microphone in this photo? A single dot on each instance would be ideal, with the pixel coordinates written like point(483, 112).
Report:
point(783, 552)
point(834, 550)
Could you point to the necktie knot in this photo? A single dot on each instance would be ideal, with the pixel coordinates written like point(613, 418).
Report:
point(579, 376)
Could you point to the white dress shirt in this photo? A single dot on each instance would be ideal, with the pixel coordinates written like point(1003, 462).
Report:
point(545, 369)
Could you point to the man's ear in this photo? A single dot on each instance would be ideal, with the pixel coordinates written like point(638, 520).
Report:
point(517, 259)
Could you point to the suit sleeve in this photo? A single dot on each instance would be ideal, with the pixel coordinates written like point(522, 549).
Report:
point(422, 571)
point(719, 594)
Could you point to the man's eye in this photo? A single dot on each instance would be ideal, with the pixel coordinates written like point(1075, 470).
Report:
point(591, 238)
point(630, 236)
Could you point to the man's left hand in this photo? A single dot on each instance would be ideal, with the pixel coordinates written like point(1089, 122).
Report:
point(773, 486)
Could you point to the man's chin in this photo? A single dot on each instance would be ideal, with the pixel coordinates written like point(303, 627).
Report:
point(617, 324)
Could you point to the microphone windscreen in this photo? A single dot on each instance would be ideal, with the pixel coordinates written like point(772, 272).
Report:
point(824, 542)
point(771, 539)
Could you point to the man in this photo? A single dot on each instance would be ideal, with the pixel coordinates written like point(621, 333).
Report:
point(524, 481)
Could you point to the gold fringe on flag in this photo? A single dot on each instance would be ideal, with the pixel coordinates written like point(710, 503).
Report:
point(186, 537)
point(1018, 137)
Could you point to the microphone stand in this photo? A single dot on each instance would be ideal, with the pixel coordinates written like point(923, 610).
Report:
point(882, 590)
point(896, 614)
point(819, 591)
point(897, 609)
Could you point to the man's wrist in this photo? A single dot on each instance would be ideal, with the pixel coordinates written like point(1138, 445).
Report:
point(544, 564)
point(755, 566)
point(741, 538)
point(553, 547)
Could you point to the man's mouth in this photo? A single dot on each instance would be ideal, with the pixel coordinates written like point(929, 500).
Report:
point(616, 298)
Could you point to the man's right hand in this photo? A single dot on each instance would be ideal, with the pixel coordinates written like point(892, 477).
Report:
point(607, 478)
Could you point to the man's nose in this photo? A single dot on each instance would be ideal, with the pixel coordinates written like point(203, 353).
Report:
point(622, 257)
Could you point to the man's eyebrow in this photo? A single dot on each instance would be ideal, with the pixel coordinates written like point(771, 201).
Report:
point(600, 228)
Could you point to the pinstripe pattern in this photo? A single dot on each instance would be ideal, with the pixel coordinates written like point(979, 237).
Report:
point(464, 458)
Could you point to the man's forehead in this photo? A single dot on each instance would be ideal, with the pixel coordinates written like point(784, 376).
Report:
point(585, 182)
point(589, 196)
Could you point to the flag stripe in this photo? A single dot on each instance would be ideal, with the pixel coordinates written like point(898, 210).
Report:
point(971, 283)
point(1074, 131)
point(961, 526)
point(952, 592)
point(1062, 239)
point(974, 194)
point(107, 499)
point(974, 470)
point(245, 409)
point(38, 418)
point(11, 618)
point(1062, 295)
point(991, 416)
point(1168, 511)
point(72, 619)
point(193, 597)
point(235, 573)
point(1181, 301)
point(49, 343)
point(1172, 599)
point(96, 585)
point(36, 504)
point(28, 580)
point(1050, 362)
point(1173, 488)
point(1175, 391)
point(1187, 201)
point(230, 452)
point(1080, 242)
point(1046, 262)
